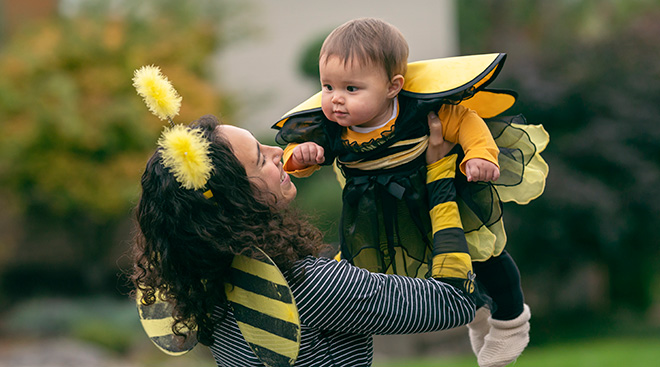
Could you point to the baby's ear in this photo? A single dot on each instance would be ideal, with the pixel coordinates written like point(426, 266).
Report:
point(395, 85)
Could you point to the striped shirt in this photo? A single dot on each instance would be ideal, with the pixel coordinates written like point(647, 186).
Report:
point(341, 306)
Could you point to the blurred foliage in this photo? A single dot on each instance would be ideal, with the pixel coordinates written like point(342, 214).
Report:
point(74, 135)
point(319, 197)
point(588, 71)
point(105, 334)
point(102, 321)
point(44, 317)
point(308, 61)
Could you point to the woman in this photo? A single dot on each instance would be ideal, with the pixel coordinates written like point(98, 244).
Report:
point(187, 241)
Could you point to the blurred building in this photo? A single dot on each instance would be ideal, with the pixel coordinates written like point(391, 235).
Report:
point(263, 74)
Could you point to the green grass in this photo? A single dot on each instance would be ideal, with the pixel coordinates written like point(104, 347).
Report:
point(597, 353)
point(113, 325)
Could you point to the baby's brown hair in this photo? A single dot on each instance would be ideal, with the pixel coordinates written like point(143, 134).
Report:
point(368, 41)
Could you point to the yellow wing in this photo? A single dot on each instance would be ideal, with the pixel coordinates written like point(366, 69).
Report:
point(263, 306)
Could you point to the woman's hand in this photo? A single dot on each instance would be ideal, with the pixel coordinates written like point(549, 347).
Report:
point(438, 147)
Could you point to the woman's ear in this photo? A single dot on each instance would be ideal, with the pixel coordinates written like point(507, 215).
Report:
point(395, 86)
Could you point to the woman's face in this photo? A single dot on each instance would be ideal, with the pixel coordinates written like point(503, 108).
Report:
point(262, 163)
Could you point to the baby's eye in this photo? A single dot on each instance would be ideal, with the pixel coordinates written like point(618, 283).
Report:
point(351, 88)
point(327, 87)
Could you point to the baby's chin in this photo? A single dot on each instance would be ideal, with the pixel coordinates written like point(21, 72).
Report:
point(345, 122)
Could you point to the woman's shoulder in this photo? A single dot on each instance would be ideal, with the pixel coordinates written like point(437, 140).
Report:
point(312, 269)
point(312, 264)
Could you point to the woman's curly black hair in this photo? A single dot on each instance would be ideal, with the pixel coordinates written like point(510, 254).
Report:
point(185, 242)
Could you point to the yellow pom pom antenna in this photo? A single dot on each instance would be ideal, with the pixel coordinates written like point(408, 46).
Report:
point(186, 154)
point(157, 92)
point(185, 151)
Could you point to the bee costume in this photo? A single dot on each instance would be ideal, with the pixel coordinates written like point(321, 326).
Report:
point(388, 223)
point(258, 294)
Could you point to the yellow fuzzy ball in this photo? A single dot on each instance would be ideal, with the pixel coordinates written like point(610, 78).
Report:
point(157, 92)
point(185, 152)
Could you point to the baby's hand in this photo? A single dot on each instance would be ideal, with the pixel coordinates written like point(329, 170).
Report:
point(478, 169)
point(307, 154)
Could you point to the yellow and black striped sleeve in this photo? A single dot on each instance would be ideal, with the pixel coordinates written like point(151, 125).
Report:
point(451, 258)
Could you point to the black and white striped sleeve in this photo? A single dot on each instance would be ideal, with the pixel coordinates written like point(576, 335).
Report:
point(341, 297)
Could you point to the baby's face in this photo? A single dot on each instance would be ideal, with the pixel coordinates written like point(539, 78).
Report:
point(354, 94)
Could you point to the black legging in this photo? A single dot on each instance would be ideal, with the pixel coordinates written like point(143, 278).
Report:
point(500, 278)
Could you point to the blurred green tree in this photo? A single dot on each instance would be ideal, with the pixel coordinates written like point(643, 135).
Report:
point(308, 61)
point(588, 71)
point(74, 135)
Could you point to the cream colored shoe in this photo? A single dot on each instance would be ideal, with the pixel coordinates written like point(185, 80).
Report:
point(505, 341)
point(478, 329)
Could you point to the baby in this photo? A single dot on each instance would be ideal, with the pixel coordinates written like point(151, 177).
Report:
point(395, 217)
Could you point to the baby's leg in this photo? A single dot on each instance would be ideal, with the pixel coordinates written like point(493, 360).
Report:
point(509, 324)
point(500, 277)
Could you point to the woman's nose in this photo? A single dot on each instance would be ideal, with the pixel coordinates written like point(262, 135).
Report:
point(276, 153)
